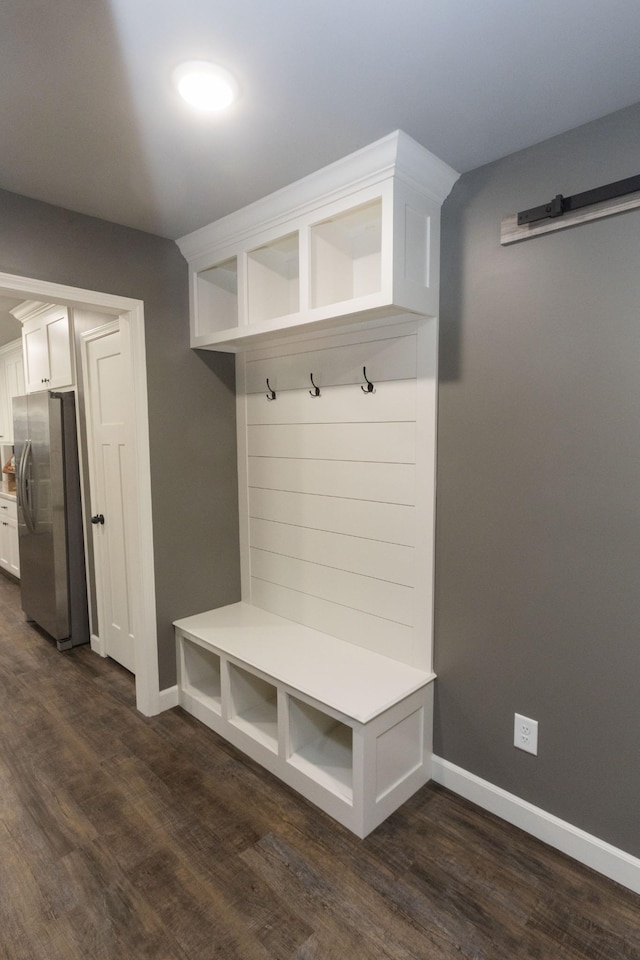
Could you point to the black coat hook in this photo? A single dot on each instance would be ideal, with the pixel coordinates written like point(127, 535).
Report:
point(272, 394)
point(369, 387)
point(316, 390)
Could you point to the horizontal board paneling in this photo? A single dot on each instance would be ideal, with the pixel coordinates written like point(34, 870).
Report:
point(379, 597)
point(370, 558)
point(374, 633)
point(391, 522)
point(394, 400)
point(331, 534)
point(384, 359)
point(391, 327)
point(386, 482)
point(370, 442)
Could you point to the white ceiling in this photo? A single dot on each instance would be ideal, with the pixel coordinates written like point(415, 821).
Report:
point(89, 119)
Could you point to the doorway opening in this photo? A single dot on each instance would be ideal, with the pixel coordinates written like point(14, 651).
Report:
point(130, 315)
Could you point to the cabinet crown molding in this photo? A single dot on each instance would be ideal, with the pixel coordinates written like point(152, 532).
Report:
point(396, 155)
point(30, 308)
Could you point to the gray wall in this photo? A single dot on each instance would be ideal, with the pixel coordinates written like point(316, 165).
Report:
point(191, 398)
point(538, 510)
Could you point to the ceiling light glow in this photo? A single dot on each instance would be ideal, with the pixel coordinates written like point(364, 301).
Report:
point(205, 86)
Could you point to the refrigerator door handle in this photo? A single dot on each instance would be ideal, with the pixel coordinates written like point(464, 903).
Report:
point(25, 487)
point(20, 477)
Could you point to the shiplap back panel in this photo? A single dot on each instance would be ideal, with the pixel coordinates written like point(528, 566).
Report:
point(365, 442)
point(396, 404)
point(333, 489)
point(367, 630)
point(387, 482)
point(371, 558)
point(367, 520)
point(386, 359)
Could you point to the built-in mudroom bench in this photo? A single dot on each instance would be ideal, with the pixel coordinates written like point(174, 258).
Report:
point(343, 726)
point(328, 293)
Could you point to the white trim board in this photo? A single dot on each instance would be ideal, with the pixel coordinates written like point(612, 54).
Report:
point(131, 315)
point(606, 859)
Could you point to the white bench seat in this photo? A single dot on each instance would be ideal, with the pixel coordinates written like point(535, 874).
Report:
point(354, 681)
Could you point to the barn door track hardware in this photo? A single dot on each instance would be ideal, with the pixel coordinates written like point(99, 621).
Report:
point(561, 212)
point(561, 205)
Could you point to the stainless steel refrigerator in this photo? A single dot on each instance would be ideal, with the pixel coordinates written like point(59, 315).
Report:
point(52, 563)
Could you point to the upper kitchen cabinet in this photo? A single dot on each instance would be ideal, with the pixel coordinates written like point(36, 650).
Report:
point(358, 240)
point(11, 385)
point(46, 341)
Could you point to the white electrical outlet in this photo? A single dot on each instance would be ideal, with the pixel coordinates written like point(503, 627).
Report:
point(525, 734)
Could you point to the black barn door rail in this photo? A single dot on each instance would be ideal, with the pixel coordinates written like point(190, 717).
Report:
point(560, 204)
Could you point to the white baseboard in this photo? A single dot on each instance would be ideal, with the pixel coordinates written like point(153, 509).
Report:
point(97, 645)
point(587, 849)
point(168, 698)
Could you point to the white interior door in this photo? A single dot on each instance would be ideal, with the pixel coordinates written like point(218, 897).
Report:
point(108, 434)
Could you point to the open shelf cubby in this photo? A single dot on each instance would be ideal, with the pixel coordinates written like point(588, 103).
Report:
point(346, 255)
point(254, 706)
point(273, 276)
point(202, 674)
point(354, 241)
point(321, 747)
point(217, 293)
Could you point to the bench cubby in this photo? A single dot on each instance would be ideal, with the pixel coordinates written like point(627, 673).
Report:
point(253, 706)
point(321, 747)
point(201, 674)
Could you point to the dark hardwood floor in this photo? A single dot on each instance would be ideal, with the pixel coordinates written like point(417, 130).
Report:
point(130, 838)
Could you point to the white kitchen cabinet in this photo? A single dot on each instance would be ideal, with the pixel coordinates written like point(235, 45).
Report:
point(9, 551)
point(47, 346)
point(11, 385)
point(355, 241)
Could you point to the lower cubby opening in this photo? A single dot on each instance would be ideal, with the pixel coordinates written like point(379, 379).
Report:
point(202, 674)
point(254, 706)
point(321, 747)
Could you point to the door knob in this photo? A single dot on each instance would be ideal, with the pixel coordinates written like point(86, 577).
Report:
point(99, 518)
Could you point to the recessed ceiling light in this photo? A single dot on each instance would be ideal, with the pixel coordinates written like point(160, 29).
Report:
point(205, 86)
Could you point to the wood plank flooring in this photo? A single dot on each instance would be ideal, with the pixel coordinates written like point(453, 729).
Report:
point(152, 839)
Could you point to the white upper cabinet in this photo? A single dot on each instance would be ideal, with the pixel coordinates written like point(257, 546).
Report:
point(46, 341)
point(358, 240)
point(9, 548)
point(11, 385)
